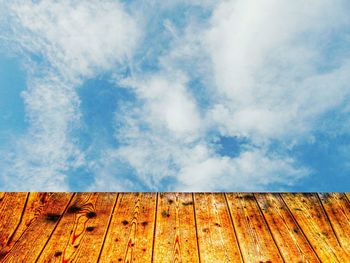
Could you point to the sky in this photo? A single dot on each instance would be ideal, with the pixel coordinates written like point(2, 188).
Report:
point(224, 95)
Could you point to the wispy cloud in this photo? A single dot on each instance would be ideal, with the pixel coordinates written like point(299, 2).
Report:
point(268, 59)
point(70, 41)
point(269, 74)
point(76, 39)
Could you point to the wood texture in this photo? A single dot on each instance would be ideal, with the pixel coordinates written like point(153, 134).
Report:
point(130, 234)
point(216, 235)
point(174, 227)
point(254, 237)
point(11, 207)
point(292, 243)
point(40, 217)
point(175, 237)
point(80, 233)
point(312, 219)
point(337, 209)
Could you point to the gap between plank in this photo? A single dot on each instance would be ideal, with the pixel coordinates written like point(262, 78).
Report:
point(346, 197)
point(19, 223)
point(59, 220)
point(234, 228)
point(195, 223)
point(155, 227)
point(330, 223)
point(268, 227)
point(108, 225)
point(301, 230)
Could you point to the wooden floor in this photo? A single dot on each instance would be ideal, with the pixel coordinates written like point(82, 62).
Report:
point(174, 227)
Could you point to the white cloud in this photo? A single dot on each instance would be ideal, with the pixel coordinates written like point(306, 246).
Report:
point(272, 79)
point(267, 58)
point(156, 155)
point(268, 73)
point(110, 174)
point(76, 40)
point(157, 151)
point(150, 138)
point(168, 103)
point(252, 169)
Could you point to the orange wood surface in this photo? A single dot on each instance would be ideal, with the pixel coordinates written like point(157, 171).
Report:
point(216, 235)
point(175, 237)
point(314, 222)
point(130, 233)
point(174, 227)
point(288, 236)
point(255, 239)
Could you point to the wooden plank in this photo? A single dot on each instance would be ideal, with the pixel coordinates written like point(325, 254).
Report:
point(289, 238)
point(35, 203)
point(174, 227)
point(216, 235)
point(255, 239)
point(40, 218)
point(348, 195)
point(80, 233)
point(309, 214)
point(337, 208)
point(175, 238)
point(11, 207)
point(130, 234)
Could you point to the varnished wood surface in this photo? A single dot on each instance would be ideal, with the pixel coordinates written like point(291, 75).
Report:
point(174, 227)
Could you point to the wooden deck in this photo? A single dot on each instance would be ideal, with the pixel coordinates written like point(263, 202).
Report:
point(174, 227)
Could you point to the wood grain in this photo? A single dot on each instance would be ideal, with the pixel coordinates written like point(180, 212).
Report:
point(174, 227)
point(216, 235)
point(40, 218)
point(291, 241)
point(309, 214)
point(175, 237)
point(337, 208)
point(12, 206)
point(254, 237)
point(130, 234)
point(80, 234)
point(348, 196)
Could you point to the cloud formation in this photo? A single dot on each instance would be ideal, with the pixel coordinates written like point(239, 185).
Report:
point(74, 41)
point(268, 60)
point(266, 75)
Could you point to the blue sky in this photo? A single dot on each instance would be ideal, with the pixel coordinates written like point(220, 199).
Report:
point(175, 96)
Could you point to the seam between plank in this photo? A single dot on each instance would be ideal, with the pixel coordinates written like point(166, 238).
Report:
point(155, 227)
point(19, 223)
point(268, 227)
point(234, 228)
point(196, 226)
point(330, 223)
point(108, 227)
point(301, 230)
point(53, 230)
point(346, 197)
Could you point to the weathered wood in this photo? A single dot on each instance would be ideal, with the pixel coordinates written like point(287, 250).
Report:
point(337, 208)
point(291, 241)
point(130, 234)
point(347, 195)
point(41, 215)
point(175, 238)
point(12, 206)
point(33, 207)
point(254, 237)
point(80, 234)
point(216, 235)
point(174, 227)
point(308, 212)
